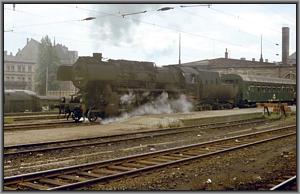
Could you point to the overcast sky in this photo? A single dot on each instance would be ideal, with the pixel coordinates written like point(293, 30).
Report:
point(151, 35)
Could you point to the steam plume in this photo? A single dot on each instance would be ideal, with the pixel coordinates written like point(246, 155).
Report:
point(161, 105)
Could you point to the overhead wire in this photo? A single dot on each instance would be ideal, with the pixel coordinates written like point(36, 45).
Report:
point(162, 26)
point(220, 23)
point(124, 15)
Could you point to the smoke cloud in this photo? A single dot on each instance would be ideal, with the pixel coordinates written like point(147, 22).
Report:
point(127, 98)
point(161, 105)
point(115, 28)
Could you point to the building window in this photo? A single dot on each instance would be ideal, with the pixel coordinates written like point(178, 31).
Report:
point(29, 78)
point(8, 68)
point(7, 78)
point(29, 68)
point(12, 68)
point(12, 78)
point(23, 68)
point(19, 68)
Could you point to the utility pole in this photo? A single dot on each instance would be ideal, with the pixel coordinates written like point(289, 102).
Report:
point(47, 81)
point(179, 60)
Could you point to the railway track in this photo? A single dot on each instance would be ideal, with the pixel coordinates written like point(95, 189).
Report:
point(30, 113)
point(288, 184)
point(58, 145)
point(34, 117)
point(78, 176)
point(40, 125)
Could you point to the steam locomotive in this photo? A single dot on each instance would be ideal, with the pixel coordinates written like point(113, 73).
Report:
point(102, 83)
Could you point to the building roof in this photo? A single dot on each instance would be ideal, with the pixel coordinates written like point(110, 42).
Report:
point(30, 53)
point(227, 63)
point(263, 79)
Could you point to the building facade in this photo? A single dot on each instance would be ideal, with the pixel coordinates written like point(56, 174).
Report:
point(18, 73)
point(19, 69)
point(247, 67)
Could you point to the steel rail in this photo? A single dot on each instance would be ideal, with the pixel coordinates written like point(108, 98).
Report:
point(47, 146)
point(86, 174)
point(289, 182)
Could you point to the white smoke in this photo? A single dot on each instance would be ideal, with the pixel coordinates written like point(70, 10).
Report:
point(161, 105)
point(127, 98)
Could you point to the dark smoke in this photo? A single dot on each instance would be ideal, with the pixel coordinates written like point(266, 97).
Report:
point(118, 29)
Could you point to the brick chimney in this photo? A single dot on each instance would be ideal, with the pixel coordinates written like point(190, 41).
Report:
point(285, 44)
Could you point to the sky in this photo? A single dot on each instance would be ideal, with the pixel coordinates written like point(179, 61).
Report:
point(144, 32)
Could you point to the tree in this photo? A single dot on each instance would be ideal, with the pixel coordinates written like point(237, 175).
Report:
point(47, 59)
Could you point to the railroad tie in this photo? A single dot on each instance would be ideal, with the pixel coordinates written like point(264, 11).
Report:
point(89, 174)
point(161, 160)
point(178, 156)
point(105, 171)
point(134, 165)
point(33, 186)
point(120, 168)
point(147, 162)
point(167, 157)
point(72, 177)
point(52, 182)
point(6, 188)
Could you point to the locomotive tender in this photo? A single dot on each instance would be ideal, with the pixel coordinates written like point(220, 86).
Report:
point(103, 83)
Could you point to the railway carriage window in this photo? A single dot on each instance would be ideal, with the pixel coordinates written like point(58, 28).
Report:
point(216, 81)
point(206, 82)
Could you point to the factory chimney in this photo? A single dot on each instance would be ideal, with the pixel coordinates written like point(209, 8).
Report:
point(261, 57)
point(226, 54)
point(285, 44)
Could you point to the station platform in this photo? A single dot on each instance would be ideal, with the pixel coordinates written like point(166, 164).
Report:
point(122, 125)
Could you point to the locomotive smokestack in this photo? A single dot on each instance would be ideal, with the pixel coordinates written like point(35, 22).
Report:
point(285, 44)
point(98, 56)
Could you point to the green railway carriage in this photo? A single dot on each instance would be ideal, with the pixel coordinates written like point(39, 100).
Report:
point(21, 101)
point(253, 89)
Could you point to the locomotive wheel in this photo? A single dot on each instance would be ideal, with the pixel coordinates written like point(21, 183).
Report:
point(92, 117)
point(77, 115)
